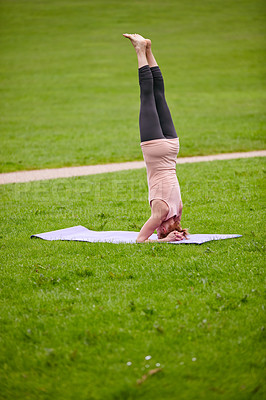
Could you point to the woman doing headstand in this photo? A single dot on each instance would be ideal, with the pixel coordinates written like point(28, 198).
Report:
point(160, 146)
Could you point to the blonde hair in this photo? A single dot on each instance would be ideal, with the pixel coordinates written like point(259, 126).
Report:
point(175, 226)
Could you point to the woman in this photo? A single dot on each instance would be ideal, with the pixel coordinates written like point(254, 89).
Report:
point(160, 146)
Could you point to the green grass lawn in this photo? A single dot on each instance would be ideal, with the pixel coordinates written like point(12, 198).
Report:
point(74, 314)
point(69, 88)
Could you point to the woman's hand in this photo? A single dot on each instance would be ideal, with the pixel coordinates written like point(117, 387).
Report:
point(171, 237)
point(174, 236)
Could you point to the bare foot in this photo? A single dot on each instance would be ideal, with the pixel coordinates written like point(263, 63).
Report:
point(148, 44)
point(138, 41)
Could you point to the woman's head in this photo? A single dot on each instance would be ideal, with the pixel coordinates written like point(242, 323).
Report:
point(172, 224)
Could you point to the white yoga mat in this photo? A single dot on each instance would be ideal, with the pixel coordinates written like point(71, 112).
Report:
point(80, 233)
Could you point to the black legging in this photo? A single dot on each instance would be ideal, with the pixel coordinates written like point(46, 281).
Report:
point(155, 121)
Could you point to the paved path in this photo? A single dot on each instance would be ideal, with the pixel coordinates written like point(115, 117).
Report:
point(53, 173)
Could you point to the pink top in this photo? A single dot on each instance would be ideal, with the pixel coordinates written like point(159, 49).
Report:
point(160, 159)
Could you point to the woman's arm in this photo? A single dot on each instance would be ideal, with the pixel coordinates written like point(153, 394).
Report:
point(171, 237)
point(148, 229)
